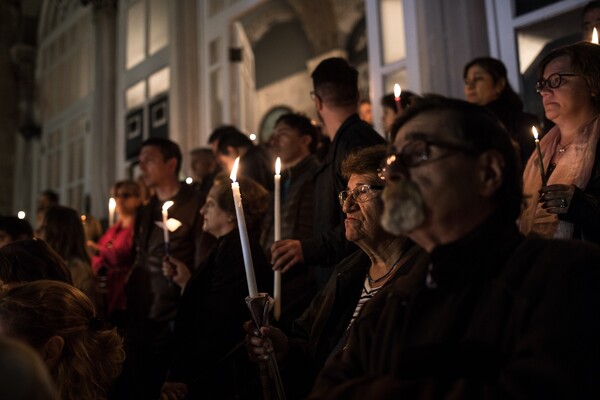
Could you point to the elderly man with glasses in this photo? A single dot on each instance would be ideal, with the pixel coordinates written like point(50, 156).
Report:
point(497, 315)
point(383, 258)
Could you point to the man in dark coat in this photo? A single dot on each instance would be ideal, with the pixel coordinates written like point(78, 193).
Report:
point(335, 96)
point(151, 299)
point(498, 315)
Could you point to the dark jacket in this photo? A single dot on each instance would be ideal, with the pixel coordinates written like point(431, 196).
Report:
point(151, 299)
point(209, 322)
point(298, 284)
point(328, 246)
point(319, 330)
point(584, 211)
point(498, 316)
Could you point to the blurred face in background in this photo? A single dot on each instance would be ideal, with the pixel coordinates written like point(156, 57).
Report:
point(289, 144)
point(480, 87)
point(591, 20)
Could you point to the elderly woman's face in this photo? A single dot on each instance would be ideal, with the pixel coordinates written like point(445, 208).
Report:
point(480, 87)
point(572, 98)
point(363, 209)
point(217, 221)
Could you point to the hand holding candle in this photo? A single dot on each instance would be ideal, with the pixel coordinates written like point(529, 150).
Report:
point(277, 236)
point(539, 154)
point(245, 242)
point(112, 204)
point(165, 217)
point(397, 93)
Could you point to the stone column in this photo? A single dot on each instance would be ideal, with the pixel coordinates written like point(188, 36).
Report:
point(103, 110)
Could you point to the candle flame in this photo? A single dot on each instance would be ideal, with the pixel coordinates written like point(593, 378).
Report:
point(595, 36)
point(278, 166)
point(234, 170)
point(21, 215)
point(112, 203)
point(535, 132)
point(167, 204)
point(397, 90)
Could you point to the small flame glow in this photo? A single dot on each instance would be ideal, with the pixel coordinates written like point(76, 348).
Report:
point(397, 90)
point(167, 204)
point(21, 215)
point(189, 180)
point(278, 166)
point(595, 36)
point(234, 170)
point(112, 203)
point(535, 132)
point(252, 137)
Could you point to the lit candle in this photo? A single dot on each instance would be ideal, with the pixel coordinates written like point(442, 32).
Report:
point(539, 153)
point(112, 204)
point(277, 236)
point(595, 36)
point(239, 212)
point(165, 217)
point(397, 93)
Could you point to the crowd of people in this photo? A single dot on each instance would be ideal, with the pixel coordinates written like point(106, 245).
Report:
point(443, 258)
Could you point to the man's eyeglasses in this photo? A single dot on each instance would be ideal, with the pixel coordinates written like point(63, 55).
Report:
point(553, 81)
point(360, 194)
point(417, 152)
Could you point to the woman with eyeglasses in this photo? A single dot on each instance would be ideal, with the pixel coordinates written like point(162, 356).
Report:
point(113, 254)
point(323, 328)
point(566, 202)
point(486, 84)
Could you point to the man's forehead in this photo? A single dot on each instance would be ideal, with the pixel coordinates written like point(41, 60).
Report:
point(427, 126)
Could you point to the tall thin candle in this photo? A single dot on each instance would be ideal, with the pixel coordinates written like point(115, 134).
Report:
point(277, 236)
point(397, 93)
point(539, 154)
point(112, 204)
point(239, 212)
point(165, 217)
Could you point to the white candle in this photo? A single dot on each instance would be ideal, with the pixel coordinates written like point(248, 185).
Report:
point(397, 93)
point(112, 204)
point(277, 236)
point(239, 212)
point(539, 154)
point(165, 217)
point(595, 36)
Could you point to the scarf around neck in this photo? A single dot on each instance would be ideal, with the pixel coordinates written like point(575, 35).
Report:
point(573, 167)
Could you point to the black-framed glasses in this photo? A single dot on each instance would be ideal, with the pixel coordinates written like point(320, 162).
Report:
point(418, 151)
point(553, 81)
point(360, 194)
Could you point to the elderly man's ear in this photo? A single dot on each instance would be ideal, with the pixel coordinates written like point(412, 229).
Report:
point(491, 165)
point(52, 350)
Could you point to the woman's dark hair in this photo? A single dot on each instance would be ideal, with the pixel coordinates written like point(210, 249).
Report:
point(31, 260)
point(63, 231)
point(407, 98)
point(91, 357)
point(585, 61)
point(255, 199)
point(497, 70)
point(479, 127)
